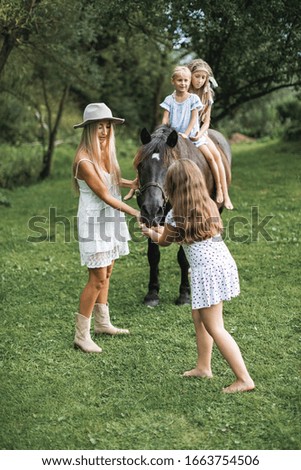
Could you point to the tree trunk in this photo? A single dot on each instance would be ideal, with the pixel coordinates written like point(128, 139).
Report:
point(48, 154)
point(18, 32)
point(7, 46)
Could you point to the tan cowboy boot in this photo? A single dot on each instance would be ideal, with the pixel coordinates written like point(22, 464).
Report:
point(102, 323)
point(82, 337)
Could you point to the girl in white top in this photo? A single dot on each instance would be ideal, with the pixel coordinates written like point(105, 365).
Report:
point(202, 81)
point(181, 107)
point(102, 230)
point(195, 221)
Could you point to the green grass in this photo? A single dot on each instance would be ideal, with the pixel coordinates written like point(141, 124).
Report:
point(132, 396)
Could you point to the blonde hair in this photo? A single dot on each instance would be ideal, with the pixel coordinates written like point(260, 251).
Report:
point(206, 93)
point(179, 69)
point(195, 213)
point(89, 147)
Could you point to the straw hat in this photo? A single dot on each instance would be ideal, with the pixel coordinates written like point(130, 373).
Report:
point(98, 112)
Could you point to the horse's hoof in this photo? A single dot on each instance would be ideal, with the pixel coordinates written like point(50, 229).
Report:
point(151, 299)
point(183, 299)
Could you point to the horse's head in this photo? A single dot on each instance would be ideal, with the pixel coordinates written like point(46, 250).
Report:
point(151, 162)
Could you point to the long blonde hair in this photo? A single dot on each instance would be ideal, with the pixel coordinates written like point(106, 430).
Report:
point(195, 213)
point(89, 147)
point(206, 93)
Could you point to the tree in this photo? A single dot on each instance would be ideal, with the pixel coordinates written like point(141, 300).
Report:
point(16, 22)
point(38, 38)
point(254, 48)
point(134, 58)
point(121, 52)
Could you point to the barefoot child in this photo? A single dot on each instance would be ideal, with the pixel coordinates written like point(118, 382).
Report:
point(195, 221)
point(181, 110)
point(202, 81)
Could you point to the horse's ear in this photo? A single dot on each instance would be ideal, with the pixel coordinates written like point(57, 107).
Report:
point(145, 136)
point(172, 139)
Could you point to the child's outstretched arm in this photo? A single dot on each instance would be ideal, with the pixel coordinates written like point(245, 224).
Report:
point(163, 236)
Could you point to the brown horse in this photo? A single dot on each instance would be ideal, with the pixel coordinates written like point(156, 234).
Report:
point(153, 158)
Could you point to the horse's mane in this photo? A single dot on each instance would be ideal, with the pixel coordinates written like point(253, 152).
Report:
point(158, 145)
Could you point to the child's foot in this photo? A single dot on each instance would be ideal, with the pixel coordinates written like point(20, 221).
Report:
point(219, 195)
point(228, 204)
point(240, 386)
point(198, 373)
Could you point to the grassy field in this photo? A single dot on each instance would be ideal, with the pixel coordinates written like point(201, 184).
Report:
point(133, 396)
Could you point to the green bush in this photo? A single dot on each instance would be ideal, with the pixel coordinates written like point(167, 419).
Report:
point(19, 165)
point(18, 122)
point(290, 116)
point(270, 116)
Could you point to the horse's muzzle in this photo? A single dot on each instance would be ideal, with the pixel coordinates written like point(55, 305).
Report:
point(151, 218)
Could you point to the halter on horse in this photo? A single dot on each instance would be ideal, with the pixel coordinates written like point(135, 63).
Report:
point(152, 160)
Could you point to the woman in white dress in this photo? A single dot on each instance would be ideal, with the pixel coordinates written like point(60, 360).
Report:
point(195, 221)
point(102, 231)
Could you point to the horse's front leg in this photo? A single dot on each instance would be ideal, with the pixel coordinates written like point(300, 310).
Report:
point(153, 254)
point(184, 297)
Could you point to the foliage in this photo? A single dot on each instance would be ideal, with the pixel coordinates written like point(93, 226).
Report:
point(252, 47)
point(132, 396)
point(17, 122)
point(290, 116)
point(46, 62)
point(19, 165)
point(54, 54)
point(262, 117)
point(17, 19)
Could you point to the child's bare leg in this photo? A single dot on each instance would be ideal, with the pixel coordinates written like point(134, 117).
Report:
point(212, 318)
point(218, 159)
point(204, 344)
point(214, 168)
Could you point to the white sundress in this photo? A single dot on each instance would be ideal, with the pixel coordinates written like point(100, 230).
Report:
point(180, 114)
point(214, 275)
point(102, 230)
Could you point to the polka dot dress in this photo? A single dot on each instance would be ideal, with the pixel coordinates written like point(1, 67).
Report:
point(214, 275)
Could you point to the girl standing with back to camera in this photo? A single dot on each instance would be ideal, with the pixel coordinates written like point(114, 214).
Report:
point(194, 220)
point(202, 81)
point(102, 230)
